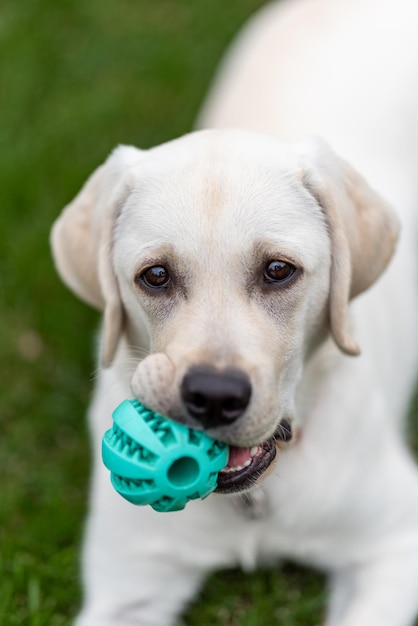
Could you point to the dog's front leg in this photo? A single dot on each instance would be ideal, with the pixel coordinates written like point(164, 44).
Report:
point(135, 572)
point(381, 593)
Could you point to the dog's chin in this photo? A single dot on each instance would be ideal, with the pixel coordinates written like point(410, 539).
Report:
point(233, 479)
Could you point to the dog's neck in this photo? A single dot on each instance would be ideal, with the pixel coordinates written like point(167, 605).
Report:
point(253, 505)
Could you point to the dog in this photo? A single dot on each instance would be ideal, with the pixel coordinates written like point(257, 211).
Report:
point(254, 285)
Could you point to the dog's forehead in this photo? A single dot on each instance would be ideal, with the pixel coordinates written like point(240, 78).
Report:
point(219, 158)
point(205, 145)
point(211, 186)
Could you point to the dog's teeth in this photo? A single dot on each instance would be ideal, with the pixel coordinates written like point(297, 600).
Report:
point(254, 450)
point(237, 468)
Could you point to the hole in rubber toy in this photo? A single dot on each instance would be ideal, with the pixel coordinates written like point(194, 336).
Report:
point(183, 472)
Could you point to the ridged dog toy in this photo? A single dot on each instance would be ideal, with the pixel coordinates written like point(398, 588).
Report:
point(156, 461)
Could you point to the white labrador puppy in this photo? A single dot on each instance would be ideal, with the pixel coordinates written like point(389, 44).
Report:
point(229, 260)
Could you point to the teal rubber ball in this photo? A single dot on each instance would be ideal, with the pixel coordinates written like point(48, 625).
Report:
point(156, 461)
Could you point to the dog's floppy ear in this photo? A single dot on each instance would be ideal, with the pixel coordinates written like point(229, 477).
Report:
point(81, 240)
point(363, 231)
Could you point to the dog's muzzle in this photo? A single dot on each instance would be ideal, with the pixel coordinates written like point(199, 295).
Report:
point(219, 398)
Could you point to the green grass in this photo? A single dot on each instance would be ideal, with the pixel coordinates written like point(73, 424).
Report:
point(77, 77)
point(288, 596)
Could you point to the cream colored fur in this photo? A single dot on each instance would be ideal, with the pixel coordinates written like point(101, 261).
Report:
point(214, 205)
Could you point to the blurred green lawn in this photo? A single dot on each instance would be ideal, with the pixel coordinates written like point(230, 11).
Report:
point(77, 77)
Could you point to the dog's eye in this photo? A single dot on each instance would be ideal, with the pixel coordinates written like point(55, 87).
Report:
point(278, 272)
point(155, 276)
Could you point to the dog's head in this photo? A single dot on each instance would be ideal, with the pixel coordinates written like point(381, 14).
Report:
point(230, 256)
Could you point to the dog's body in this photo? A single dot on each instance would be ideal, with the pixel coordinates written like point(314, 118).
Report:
point(218, 208)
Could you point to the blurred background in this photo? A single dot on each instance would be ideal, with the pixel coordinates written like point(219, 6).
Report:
point(77, 77)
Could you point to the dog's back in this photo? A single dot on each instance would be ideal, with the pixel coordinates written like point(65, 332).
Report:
point(340, 69)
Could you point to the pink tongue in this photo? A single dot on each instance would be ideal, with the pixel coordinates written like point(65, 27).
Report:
point(238, 456)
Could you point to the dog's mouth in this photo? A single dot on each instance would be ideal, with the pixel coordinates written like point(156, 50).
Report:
point(246, 465)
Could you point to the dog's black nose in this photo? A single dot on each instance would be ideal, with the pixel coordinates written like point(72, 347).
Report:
point(215, 398)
